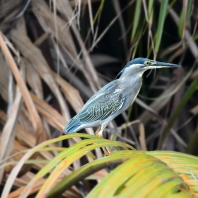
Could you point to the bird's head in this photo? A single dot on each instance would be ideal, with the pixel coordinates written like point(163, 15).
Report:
point(140, 65)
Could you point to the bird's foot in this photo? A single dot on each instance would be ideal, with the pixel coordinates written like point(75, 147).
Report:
point(106, 150)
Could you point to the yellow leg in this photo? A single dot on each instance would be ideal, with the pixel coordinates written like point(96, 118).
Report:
point(108, 152)
point(99, 134)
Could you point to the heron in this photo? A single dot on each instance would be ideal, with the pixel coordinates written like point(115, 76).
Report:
point(114, 98)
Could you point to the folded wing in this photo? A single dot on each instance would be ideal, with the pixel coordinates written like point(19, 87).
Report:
point(100, 106)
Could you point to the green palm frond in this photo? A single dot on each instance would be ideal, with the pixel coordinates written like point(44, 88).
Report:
point(137, 173)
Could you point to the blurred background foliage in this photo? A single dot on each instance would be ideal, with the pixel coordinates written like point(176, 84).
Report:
point(55, 54)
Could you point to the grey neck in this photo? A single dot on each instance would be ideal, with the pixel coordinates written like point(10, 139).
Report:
point(131, 74)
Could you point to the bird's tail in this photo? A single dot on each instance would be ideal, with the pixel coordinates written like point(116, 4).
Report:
point(72, 126)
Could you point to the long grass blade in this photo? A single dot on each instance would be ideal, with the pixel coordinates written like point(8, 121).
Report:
point(160, 26)
point(136, 19)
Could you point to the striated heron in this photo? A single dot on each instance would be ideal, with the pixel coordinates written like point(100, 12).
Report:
point(113, 98)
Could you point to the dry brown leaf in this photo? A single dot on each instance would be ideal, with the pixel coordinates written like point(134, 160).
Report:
point(34, 80)
point(25, 121)
point(54, 26)
point(30, 51)
point(3, 78)
point(8, 133)
point(17, 148)
point(41, 135)
point(70, 93)
point(47, 111)
point(72, 96)
point(65, 9)
point(142, 137)
point(24, 137)
point(73, 193)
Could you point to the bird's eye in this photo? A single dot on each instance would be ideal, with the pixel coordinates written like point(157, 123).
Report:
point(147, 63)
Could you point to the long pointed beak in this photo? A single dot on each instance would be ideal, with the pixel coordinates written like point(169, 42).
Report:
point(157, 65)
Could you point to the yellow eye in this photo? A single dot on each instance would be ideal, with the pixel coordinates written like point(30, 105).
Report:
point(147, 63)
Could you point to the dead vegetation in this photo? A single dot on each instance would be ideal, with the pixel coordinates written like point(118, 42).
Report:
point(56, 54)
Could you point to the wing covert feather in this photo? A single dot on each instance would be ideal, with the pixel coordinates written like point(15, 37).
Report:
point(107, 101)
